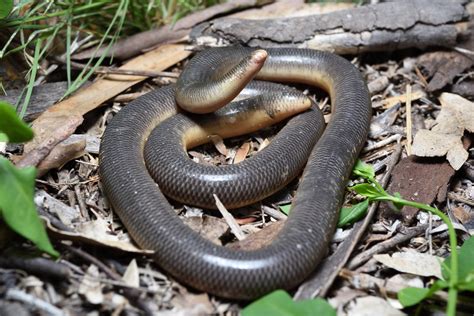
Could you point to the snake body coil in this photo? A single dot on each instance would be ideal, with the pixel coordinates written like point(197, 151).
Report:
point(303, 241)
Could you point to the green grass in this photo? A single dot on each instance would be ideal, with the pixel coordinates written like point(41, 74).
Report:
point(36, 29)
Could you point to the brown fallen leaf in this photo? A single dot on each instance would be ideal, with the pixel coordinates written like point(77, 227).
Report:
point(259, 239)
point(96, 233)
point(242, 152)
point(421, 180)
point(443, 67)
point(445, 138)
point(62, 153)
point(219, 144)
point(209, 227)
point(64, 117)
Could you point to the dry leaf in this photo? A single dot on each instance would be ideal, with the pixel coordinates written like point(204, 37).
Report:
point(66, 214)
point(445, 138)
point(413, 262)
point(219, 144)
point(131, 276)
point(209, 227)
point(242, 152)
point(371, 305)
point(98, 233)
point(90, 286)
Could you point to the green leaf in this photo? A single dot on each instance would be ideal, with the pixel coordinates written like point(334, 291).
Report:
point(279, 303)
point(364, 170)
point(350, 215)
point(413, 295)
point(16, 130)
point(466, 263)
point(17, 207)
point(6, 7)
point(467, 286)
point(285, 208)
point(3, 138)
point(367, 190)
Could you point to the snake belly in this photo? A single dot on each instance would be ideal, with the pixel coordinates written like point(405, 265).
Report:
point(303, 241)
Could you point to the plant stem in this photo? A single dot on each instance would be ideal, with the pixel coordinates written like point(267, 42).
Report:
point(453, 279)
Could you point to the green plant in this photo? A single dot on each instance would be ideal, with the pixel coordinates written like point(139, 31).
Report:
point(279, 303)
point(17, 208)
point(458, 269)
point(32, 27)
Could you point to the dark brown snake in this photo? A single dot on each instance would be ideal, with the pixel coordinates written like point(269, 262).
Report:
point(304, 240)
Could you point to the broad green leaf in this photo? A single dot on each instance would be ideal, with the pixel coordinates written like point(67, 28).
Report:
point(17, 207)
point(412, 295)
point(6, 7)
point(285, 208)
point(466, 263)
point(367, 190)
point(16, 130)
point(364, 170)
point(350, 215)
point(3, 138)
point(279, 303)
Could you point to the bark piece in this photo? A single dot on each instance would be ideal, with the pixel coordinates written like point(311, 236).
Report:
point(443, 67)
point(379, 27)
point(290, 8)
point(420, 180)
point(43, 97)
point(260, 239)
point(60, 120)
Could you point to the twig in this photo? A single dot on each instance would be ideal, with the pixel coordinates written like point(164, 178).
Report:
point(234, 226)
point(274, 213)
point(82, 205)
point(133, 294)
point(386, 245)
point(29, 299)
point(455, 197)
point(36, 265)
point(408, 119)
point(380, 144)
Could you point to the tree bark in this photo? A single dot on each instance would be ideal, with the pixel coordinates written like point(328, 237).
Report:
point(380, 27)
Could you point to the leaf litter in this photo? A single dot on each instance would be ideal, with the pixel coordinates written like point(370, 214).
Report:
point(100, 233)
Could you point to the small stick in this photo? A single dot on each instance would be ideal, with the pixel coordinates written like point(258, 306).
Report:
point(455, 197)
point(380, 144)
point(47, 308)
point(409, 121)
point(386, 245)
point(278, 215)
point(234, 226)
point(134, 295)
